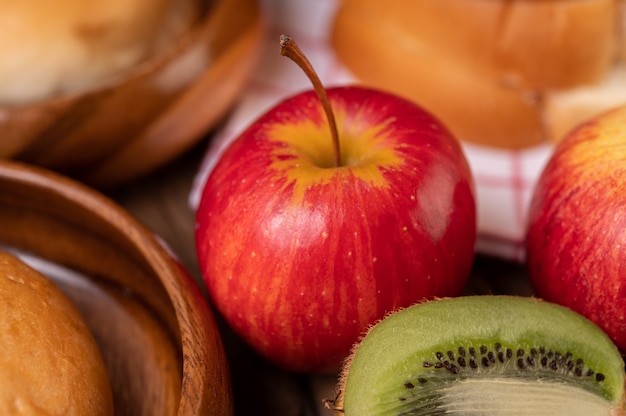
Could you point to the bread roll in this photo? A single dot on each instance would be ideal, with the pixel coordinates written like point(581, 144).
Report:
point(49, 361)
point(566, 109)
point(484, 67)
point(55, 47)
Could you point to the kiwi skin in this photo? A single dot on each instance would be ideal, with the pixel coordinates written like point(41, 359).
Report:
point(393, 354)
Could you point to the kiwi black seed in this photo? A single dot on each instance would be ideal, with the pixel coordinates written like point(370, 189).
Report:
point(483, 355)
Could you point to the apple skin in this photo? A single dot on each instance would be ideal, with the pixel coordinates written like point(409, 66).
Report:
point(576, 239)
point(301, 257)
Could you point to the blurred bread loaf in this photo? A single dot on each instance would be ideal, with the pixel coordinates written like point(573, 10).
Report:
point(49, 361)
point(55, 47)
point(497, 72)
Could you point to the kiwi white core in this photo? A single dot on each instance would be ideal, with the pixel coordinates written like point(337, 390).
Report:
point(507, 397)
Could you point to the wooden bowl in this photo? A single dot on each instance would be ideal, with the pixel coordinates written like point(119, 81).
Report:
point(154, 113)
point(157, 335)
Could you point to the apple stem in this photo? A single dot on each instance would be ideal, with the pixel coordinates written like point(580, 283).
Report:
point(290, 49)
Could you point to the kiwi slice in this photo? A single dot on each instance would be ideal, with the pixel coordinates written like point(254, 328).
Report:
point(483, 355)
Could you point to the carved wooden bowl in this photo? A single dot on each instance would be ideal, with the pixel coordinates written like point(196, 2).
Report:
point(155, 330)
point(158, 110)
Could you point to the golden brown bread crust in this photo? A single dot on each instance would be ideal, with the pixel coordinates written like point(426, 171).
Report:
point(483, 67)
point(50, 363)
point(58, 47)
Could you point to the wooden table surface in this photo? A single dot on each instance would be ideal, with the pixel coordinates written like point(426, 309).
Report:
point(161, 202)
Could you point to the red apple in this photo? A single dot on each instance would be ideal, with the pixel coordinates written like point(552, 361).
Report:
point(576, 241)
point(301, 255)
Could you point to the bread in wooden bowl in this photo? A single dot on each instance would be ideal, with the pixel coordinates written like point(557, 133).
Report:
point(56, 48)
point(156, 333)
point(107, 91)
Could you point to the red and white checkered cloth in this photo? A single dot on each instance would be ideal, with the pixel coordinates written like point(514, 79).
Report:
point(504, 179)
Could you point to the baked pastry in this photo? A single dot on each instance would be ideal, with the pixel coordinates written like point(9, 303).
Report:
point(50, 363)
point(496, 72)
point(50, 48)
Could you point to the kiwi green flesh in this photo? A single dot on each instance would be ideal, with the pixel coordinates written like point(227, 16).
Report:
point(485, 355)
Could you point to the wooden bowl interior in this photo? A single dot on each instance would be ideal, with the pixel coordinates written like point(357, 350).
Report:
point(147, 315)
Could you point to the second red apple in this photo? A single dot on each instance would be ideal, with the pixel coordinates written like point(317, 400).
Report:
point(576, 241)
